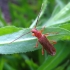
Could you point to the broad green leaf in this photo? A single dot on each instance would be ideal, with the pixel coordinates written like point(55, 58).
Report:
point(27, 42)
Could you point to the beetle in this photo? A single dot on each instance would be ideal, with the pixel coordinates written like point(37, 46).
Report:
point(44, 41)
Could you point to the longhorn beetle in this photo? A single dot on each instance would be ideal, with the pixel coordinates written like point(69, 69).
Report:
point(42, 38)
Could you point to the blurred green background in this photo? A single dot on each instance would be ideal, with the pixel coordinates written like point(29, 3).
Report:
point(22, 13)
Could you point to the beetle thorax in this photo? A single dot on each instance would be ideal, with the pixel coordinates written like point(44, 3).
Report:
point(36, 33)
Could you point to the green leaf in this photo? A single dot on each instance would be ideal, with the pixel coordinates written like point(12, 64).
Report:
point(8, 67)
point(8, 30)
point(2, 21)
point(65, 26)
point(55, 11)
point(27, 42)
point(62, 66)
point(68, 68)
point(61, 17)
point(1, 63)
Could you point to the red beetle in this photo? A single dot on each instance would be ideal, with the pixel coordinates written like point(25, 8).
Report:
point(44, 41)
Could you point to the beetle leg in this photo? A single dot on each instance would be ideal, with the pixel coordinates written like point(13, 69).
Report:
point(53, 42)
point(42, 29)
point(42, 51)
point(36, 44)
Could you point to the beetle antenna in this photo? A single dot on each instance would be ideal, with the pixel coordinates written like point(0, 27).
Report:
point(20, 37)
point(39, 15)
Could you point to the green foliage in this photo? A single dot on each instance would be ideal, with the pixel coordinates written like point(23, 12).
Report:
point(61, 54)
point(57, 24)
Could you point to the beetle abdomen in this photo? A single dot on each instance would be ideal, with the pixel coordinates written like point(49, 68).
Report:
point(47, 45)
